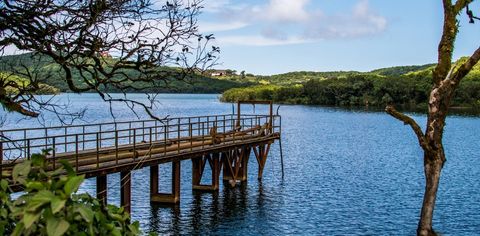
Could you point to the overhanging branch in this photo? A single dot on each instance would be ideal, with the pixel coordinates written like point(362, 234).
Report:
point(460, 4)
point(466, 66)
point(411, 122)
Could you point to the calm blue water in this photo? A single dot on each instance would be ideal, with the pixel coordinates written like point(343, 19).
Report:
point(346, 172)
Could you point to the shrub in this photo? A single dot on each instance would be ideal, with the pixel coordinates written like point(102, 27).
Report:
point(49, 205)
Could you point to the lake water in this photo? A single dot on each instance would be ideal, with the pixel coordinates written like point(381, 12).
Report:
point(346, 172)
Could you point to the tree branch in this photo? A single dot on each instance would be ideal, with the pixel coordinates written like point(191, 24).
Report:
point(409, 121)
point(445, 47)
point(460, 4)
point(467, 66)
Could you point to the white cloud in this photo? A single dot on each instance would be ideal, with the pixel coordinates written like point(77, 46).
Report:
point(215, 5)
point(293, 21)
point(360, 22)
point(255, 40)
point(283, 11)
point(209, 27)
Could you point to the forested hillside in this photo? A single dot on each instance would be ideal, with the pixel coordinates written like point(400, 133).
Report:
point(404, 85)
point(400, 85)
point(49, 74)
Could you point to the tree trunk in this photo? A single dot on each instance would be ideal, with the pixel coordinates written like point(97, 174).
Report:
point(433, 164)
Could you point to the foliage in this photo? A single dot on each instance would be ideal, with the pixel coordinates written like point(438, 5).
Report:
point(193, 83)
point(410, 89)
point(94, 46)
point(50, 206)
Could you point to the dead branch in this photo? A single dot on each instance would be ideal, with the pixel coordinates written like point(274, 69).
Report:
point(411, 122)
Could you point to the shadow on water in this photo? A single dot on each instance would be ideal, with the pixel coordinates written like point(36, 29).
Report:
point(206, 212)
point(165, 218)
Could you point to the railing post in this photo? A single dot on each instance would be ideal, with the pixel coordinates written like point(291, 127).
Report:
point(238, 113)
point(203, 135)
point(46, 139)
point(134, 141)
point(116, 146)
point(156, 130)
point(28, 149)
point(98, 150)
point(165, 127)
point(143, 130)
point(76, 152)
point(53, 151)
point(100, 139)
point(151, 145)
point(224, 123)
point(25, 142)
point(178, 135)
point(65, 133)
point(83, 137)
point(191, 135)
point(271, 117)
point(129, 133)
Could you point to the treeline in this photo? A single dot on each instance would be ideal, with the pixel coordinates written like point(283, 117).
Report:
point(52, 77)
point(410, 90)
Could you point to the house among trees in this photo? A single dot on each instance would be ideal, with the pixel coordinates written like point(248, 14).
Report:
point(215, 73)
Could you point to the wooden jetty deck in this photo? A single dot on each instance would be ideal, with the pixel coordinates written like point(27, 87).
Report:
point(224, 142)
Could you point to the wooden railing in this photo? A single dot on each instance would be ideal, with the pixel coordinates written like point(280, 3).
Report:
point(61, 141)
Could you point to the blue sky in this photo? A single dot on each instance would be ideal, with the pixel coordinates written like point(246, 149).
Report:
point(277, 36)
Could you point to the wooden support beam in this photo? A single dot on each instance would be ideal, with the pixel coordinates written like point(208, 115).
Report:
point(125, 190)
point(153, 179)
point(243, 175)
point(168, 198)
point(235, 165)
point(102, 189)
point(261, 153)
point(198, 168)
point(228, 172)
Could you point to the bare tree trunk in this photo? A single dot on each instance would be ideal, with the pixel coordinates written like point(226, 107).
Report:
point(446, 78)
point(433, 164)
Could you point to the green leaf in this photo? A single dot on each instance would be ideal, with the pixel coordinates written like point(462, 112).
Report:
point(35, 185)
point(21, 169)
point(68, 167)
point(86, 213)
point(56, 227)
point(29, 218)
point(4, 185)
point(135, 228)
point(73, 184)
point(57, 204)
point(115, 232)
point(39, 199)
point(38, 159)
point(18, 229)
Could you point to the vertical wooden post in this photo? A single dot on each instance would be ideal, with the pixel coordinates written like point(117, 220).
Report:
point(125, 190)
point(271, 118)
point(238, 114)
point(176, 181)
point(153, 179)
point(227, 166)
point(244, 164)
point(261, 155)
point(216, 167)
point(165, 198)
point(102, 189)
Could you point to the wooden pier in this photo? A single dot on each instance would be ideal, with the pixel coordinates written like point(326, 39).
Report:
point(223, 142)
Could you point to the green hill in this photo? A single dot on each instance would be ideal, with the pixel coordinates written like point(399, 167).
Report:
point(49, 73)
point(406, 86)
